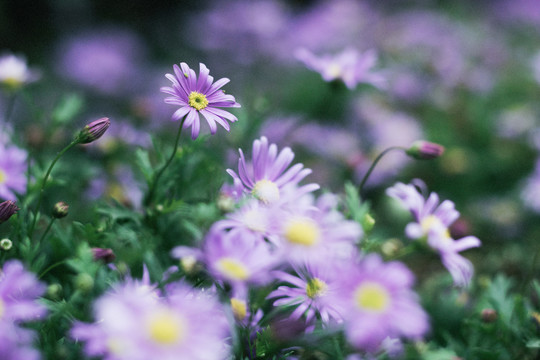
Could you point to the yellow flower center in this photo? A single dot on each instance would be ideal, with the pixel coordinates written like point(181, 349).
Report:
point(197, 100)
point(166, 328)
point(372, 297)
point(302, 232)
point(3, 177)
point(239, 308)
point(233, 269)
point(432, 221)
point(188, 263)
point(315, 288)
point(266, 191)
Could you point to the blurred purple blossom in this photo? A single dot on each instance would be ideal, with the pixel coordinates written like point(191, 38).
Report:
point(13, 167)
point(107, 60)
point(349, 66)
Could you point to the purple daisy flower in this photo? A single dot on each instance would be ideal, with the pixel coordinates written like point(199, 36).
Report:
point(379, 303)
point(313, 230)
point(199, 96)
point(267, 177)
point(135, 324)
point(12, 171)
point(19, 291)
point(432, 220)
point(309, 288)
point(350, 66)
point(238, 257)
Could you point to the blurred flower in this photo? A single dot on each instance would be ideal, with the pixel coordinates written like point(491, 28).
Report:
point(244, 30)
point(315, 230)
point(349, 66)
point(6, 244)
point(199, 96)
point(238, 258)
point(377, 301)
point(7, 209)
point(121, 186)
point(93, 131)
point(12, 171)
point(19, 292)
point(432, 221)
point(107, 60)
point(266, 177)
point(14, 72)
point(136, 325)
point(190, 258)
point(530, 190)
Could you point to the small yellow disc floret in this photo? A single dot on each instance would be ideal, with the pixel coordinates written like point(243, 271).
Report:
point(197, 100)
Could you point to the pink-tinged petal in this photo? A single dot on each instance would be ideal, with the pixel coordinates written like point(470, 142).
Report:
point(299, 311)
point(217, 85)
point(242, 171)
point(195, 128)
point(203, 78)
point(180, 113)
point(210, 120)
point(289, 174)
point(283, 160)
point(215, 119)
point(285, 277)
point(191, 117)
point(222, 113)
point(175, 101)
point(466, 243)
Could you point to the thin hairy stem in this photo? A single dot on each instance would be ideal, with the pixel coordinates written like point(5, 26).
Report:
point(375, 162)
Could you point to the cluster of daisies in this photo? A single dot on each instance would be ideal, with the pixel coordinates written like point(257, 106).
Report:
point(279, 236)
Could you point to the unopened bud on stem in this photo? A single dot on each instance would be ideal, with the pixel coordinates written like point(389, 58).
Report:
point(105, 255)
point(425, 150)
point(7, 209)
point(60, 210)
point(93, 131)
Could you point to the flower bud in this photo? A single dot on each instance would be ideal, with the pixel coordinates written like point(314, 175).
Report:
point(60, 210)
point(489, 315)
point(84, 282)
point(93, 131)
point(105, 255)
point(424, 150)
point(5, 244)
point(7, 208)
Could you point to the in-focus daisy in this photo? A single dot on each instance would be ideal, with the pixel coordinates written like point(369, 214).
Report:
point(134, 324)
point(349, 66)
point(378, 303)
point(309, 288)
point(431, 222)
point(199, 96)
point(266, 177)
point(12, 171)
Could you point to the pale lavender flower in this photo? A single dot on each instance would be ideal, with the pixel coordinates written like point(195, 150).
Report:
point(378, 302)
point(199, 96)
point(14, 71)
point(312, 229)
point(431, 222)
point(19, 292)
point(267, 176)
point(310, 288)
point(12, 171)
point(252, 217)
point(530, 190)
point(238, 258)
point(349, 66)
point(133, 323)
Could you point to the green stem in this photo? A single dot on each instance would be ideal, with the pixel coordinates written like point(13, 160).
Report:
point(50, 268)
point(47, 230)
point(153, 185)
point(375, 162)
point(41, 190)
